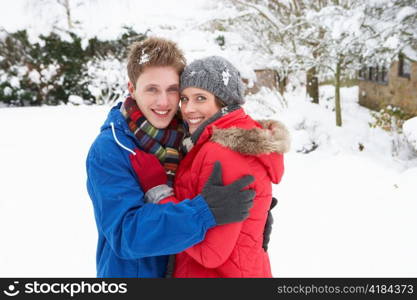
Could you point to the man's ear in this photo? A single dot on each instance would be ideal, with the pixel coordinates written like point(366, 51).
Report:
point(131, 88)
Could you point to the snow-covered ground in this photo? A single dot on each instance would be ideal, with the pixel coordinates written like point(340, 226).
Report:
point(341, 211)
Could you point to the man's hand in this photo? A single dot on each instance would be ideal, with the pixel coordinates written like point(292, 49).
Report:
point(228, 203)
point(148, 169)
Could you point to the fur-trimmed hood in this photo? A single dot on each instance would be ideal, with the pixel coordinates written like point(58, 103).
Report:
point(273, 137)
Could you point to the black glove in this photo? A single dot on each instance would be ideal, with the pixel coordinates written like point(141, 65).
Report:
point(170, 266)
point(268, 225)
point(228, 203)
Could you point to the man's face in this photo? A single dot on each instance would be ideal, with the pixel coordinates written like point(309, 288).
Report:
point(157, 94)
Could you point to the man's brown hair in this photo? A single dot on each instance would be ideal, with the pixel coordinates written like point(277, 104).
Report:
point(153, 52)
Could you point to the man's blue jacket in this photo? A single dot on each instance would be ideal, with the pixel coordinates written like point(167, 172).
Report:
point(135, 238)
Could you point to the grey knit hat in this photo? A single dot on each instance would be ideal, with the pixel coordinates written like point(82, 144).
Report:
point(217, 76)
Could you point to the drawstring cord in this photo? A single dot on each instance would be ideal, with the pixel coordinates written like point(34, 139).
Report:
point(117, 141)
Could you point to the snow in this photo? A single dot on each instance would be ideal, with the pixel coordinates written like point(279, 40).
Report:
point(49, 72)
point(341, 211)
point(410, 53)
point(410, 131)
point(141, 15)
point(35, 76)
point(45, 212)
point(76, 100)
point(8, 91)
point(144, 59)
point(346, 206)
point(226, 76)
point(405, 12)
point(351, 212)
point(14, 82)
point(107, 79)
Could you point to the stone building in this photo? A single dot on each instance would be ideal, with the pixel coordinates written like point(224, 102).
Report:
point(396, 85)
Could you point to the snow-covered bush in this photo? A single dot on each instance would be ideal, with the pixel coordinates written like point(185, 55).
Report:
point(392, 119)
point(52, 68)
point(410, 132)
point(106, 79)
point(43, 72)
point(265, 103)
point(389, 119)
point(305, 136)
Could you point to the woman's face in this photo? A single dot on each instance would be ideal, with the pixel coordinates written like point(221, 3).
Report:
point(197, 105)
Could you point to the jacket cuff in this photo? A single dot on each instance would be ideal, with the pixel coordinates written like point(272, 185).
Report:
point(157, 193)
point(204, 211)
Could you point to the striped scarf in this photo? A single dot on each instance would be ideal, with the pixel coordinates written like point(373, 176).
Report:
point(163, 143)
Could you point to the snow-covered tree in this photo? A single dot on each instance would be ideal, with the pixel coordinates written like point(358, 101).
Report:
point(329, 38)
point(394, 27)
point(342, 41)
point(59, 8)
point(306, 35)
point(270, 27)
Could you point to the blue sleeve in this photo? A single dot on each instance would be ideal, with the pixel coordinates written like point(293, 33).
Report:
point(134, 228)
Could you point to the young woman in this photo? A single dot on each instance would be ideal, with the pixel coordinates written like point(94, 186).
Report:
point(219, 130)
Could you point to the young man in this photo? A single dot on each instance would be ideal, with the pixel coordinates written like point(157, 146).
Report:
point(135, 238)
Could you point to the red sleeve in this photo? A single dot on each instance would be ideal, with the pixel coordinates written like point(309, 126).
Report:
point(169, 199)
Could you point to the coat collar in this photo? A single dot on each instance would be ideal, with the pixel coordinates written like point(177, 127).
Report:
point(239, 132)
point(270, 137)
